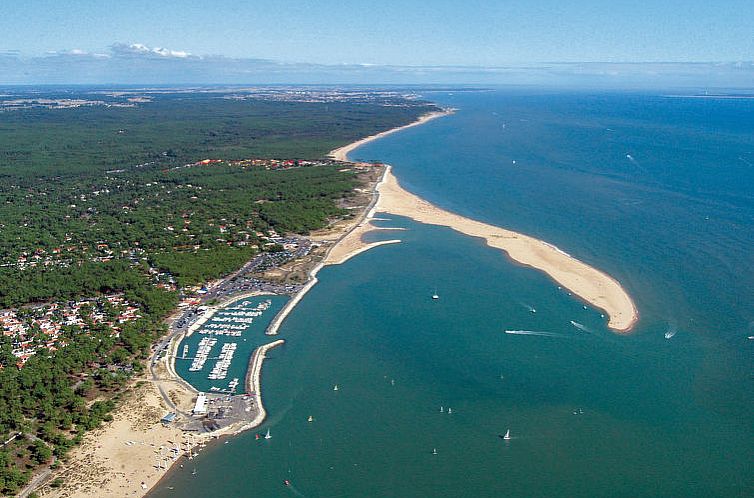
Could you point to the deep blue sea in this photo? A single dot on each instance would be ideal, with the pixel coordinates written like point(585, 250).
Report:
point(658, 191)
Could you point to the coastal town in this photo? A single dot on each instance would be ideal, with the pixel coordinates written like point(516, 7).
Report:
point(40, 328)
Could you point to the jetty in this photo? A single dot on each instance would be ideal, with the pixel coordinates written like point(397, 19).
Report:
point(254, 382)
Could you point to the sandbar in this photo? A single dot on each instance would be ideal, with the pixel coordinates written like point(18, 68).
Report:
point(588, 283)
point(591, 285)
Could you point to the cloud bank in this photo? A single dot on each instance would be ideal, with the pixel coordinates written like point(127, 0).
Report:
point(136, 63)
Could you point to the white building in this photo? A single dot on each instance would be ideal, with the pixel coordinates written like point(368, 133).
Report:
point(201, 404)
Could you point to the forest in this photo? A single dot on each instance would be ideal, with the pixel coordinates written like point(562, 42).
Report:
point(97, 199)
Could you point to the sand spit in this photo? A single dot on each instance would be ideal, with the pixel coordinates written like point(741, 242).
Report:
point(590, 284)
point(353, 244)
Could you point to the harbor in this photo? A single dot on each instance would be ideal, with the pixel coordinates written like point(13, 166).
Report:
point(214, 354)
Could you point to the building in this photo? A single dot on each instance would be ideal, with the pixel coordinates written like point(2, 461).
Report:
point(200, 408)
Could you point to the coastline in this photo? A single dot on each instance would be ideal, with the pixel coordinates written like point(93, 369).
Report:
point(341, 153)
point(593, 286)
point(116, 460)
point(588, 283)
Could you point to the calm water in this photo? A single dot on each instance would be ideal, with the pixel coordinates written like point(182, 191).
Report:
point(656, 191)
point(251, 338)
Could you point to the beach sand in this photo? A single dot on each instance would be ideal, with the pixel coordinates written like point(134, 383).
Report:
point(591, 285)
point(116, 459)
point(341, 154)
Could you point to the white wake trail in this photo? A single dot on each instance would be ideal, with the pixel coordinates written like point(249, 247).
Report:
point(534, 332)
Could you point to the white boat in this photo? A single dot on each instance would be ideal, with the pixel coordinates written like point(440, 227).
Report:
point(434, 451)
point(268, 436)
point(310, 419)
point(335, 388)
point(435, 296)
point(450, 410)
point(507, 436)
point(442, 409)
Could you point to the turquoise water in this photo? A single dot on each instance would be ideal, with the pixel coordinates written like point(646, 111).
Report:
point(252, 336)
point(591, 413)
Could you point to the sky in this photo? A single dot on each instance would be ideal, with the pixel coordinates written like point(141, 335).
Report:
point(387, 32)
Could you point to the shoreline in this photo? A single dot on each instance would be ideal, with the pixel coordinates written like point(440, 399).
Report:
point(341, 153)
point(593, 286)
point(590, 284)
point(387, 196)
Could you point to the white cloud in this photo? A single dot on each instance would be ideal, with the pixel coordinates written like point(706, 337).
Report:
point(139, 49)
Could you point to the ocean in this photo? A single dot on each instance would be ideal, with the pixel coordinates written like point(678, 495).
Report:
point(656, 190)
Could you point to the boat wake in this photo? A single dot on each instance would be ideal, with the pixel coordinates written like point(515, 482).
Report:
point(582, 327)
point(534, 332)
point(633, 161)
point(528, 307)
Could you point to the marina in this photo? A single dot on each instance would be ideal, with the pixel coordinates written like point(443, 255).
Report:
point(214, 356)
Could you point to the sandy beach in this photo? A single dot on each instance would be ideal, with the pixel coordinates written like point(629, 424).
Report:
point(341, 154)
point(121, 458)
point(590, 284)
point(593, 286)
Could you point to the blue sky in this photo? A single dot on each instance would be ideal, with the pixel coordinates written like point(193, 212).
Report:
point(408, 32)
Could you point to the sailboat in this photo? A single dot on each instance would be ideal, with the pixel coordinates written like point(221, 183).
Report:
point(507, 436)
point(434, 451)
point(310, 419)
point(435, 296)
point(335, 388)
point(442, 409)
point(268, 436)
point(450, 410)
